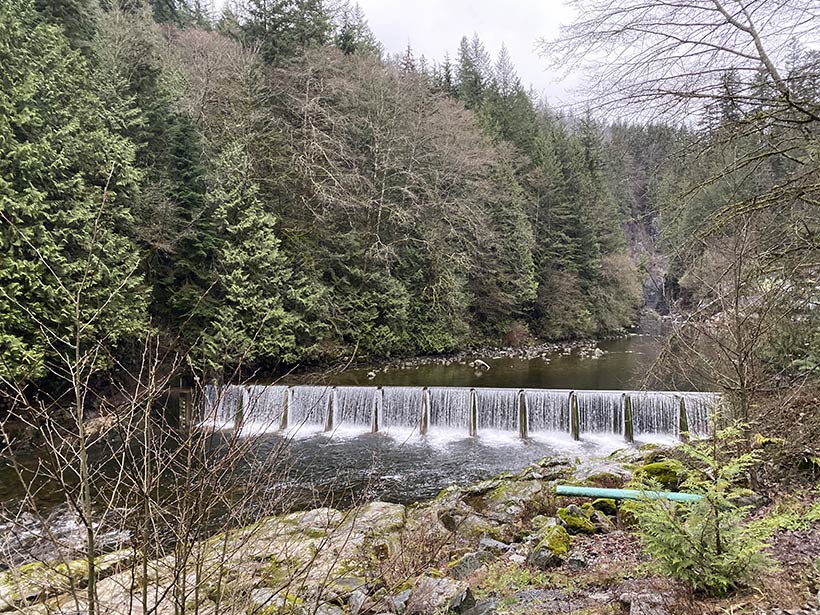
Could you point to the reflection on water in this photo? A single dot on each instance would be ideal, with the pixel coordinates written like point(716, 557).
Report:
point(624, 365)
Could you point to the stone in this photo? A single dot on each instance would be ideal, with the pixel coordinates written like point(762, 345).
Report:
point(493, 545)
point(398, 603)
point(541, 522)
point(515, 558)
point(356, 601)
point(328, 609)
point(576, 560)
point(644, 603)
point(602, 523)
point(432, 595)
point(668, 473)
point(483, 607)
point(465, 565)
point(606, 505)
point(552, 549)
point(270, 600)
point(575, 520)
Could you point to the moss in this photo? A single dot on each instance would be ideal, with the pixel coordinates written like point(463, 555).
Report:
point(669, 473)
point(556, 540)
point(606, 506)
point(576, 522)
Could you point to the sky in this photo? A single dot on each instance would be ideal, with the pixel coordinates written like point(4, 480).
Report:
point(433, 27)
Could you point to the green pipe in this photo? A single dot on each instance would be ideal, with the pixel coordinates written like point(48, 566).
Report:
point(626, 494)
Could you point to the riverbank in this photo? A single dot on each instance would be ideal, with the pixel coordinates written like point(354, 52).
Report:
point(504, 545)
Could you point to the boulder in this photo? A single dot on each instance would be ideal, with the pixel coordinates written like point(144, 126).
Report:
point(483, 607)
point(432, 595)
point(492, 545)
point(576, 520)
point(551, 550)
point(465, 565)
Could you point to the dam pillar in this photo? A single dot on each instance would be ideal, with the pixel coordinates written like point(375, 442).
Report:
point(523, 423)
point(331, 406)
point(629, 424)
point(239, 417)
point(283, 423)
point(473, 413)
point(683, 421)
point(378, 403)
point(574, 417)
point(425, 411)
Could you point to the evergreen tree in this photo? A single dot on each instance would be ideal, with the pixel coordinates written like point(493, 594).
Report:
point(68, 269)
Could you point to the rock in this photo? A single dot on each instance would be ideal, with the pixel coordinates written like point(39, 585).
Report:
point(483, 607)
point(669, 473)
point(356, 601)
point(576, 520)
point(515, 558)
point(398, 603)
point(492, 545)
point(328, 609)
point(602, 523)
point(552, 549)
point(542, 522)
point(576, 560)
point(605, 505)
point(465, 565)
point(269, 600)
point(431, 595)
point(644, 603)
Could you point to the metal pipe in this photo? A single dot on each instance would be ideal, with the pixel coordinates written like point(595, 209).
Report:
point(625, 494)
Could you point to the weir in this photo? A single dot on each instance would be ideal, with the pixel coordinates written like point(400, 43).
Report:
point(429, 410)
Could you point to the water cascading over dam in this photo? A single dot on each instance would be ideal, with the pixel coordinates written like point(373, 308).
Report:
point(460, 411)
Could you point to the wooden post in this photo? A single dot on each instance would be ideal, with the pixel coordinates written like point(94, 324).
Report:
point(629, 425)
point(425, 411)
point(574, 417)
point(683, 421)
point(523, 425)
point(473, 413)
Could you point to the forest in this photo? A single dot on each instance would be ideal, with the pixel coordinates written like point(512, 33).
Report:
point(269, 188)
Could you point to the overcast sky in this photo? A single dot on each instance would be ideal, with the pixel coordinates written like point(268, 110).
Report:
point(435, 26)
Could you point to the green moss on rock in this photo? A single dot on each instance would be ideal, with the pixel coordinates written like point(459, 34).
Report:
point(606, 506)
point(556, 540)
point(668, 473)
point(576, 520)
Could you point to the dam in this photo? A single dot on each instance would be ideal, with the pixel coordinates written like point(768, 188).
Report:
point(459, 412)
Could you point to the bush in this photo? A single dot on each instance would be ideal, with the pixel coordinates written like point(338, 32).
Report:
point(706, 544)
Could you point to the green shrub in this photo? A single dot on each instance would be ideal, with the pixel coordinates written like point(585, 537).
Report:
point(706, 544)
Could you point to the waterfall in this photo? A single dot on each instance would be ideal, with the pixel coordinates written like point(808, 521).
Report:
point(655, 413)
point(220, 405)
point(355, 407)
point(699, 407)
point(401, 408)
point(450, 408)
point(307, 408)
point(548, 410)
point(600, 411)
point(497, 409)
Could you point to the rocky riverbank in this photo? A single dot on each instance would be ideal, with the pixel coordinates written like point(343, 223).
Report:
point(504, 545)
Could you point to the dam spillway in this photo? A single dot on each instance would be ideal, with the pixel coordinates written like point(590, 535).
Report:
point(461, 411)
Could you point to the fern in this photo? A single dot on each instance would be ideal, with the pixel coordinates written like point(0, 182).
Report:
point(706, 544)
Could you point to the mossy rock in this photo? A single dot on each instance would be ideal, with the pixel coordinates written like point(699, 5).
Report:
point(557, 540)
point(669, 473)
point(606, 506)
point(605, 480)
point(576, 520)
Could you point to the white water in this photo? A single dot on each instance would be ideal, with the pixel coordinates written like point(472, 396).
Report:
point(399, 411)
